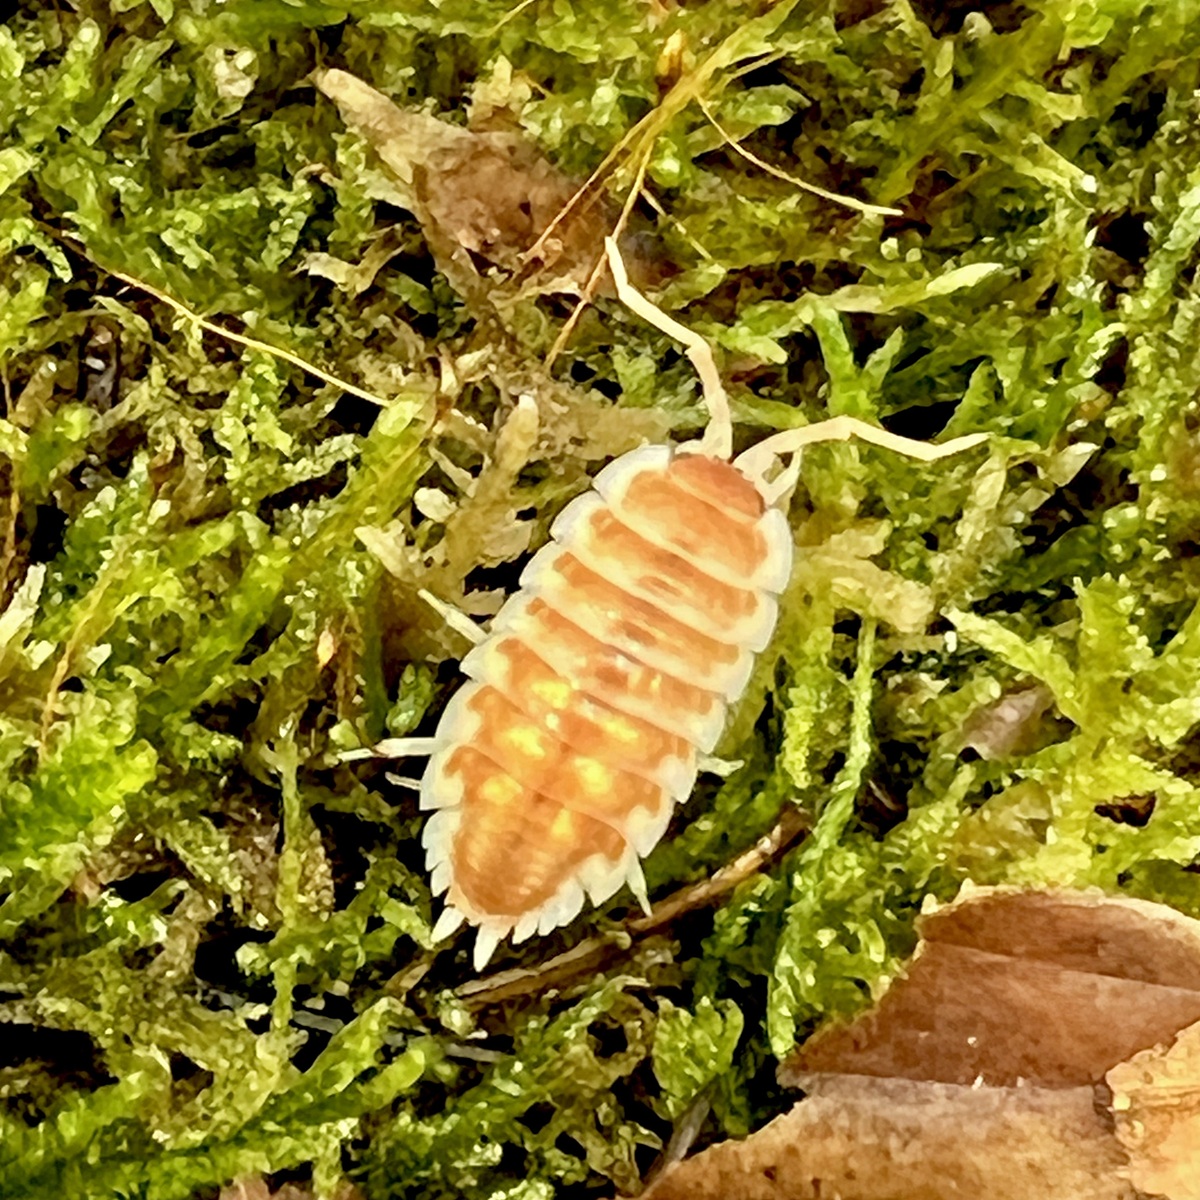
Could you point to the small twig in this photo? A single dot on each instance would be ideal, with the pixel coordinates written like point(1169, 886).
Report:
point(508, 16)
point(650, 126)
point(592, 181)
point(683, 1137)
point(590, 955)
point(250, 343)
point(479, 1054)
point(834, 197)
point(238, 338)
point(403, 982)
point(680, 228)
point(593, 280)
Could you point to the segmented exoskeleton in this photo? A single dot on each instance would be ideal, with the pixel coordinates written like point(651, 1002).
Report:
point(607, 676)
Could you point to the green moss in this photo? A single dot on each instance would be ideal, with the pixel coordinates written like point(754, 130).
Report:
point(212, 556)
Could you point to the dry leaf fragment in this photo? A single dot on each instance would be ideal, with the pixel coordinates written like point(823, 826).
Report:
point(1156, 1103)
point(1040, 1044)
point(1047, 988)
point(892, 1139)
point(1016, 723)
point(355, 278)
point(484, 194)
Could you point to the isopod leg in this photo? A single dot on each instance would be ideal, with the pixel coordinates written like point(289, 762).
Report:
point(392, 748)
point(413, 785)
point(721, 767)
point(458, 621)
point(637, 885)
point(405, 747)
point(718, 437)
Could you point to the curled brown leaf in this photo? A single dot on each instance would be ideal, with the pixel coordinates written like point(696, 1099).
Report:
point(1039, 1044)
point(483, 197)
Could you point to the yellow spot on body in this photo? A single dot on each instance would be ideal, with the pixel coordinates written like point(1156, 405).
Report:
point(528, 741)
point(563, 828)
point(500, 790)
point(620, 730)
point(554, 693)
point(596, 778)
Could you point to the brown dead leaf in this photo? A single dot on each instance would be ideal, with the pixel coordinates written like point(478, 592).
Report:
point(891, 1139)
point(1156, 1103)
point(1040, 987)
point(1019, 722)
point(482, 195)
point(1040, 1044)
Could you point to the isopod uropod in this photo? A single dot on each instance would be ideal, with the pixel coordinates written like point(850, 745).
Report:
point(557, 766)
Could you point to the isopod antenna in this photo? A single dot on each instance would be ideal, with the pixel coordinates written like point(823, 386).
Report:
point(717, 441)
point(762, 459)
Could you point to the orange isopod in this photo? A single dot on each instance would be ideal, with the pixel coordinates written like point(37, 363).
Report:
point(608, 675)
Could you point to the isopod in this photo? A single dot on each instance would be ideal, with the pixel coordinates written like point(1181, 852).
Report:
point(608, 675)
